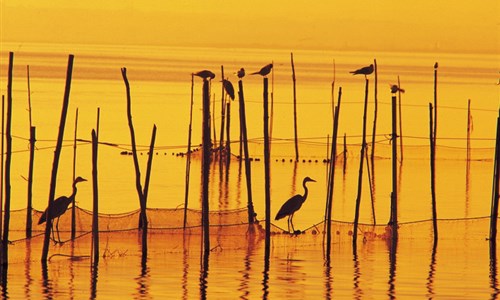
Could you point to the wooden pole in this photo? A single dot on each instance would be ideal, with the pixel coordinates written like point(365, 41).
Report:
point(295, 110)
point(2, 167)
point(394, 194)
point(228, 131)
point(142, 218)
point(248, 170)
point(149, 167)
point(223, 116)
point(432, 142)
point(267, 160)
point(8, 136)
point(206, 166)
point(73, 205)
point(188, 160)
point(57, 153)
point(344, 167)
point(496, 186)
point(360, 176)
point(95, 206)
point(375, 114)
point(469, 131)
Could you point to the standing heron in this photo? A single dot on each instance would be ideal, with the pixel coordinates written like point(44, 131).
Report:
point(293, 204)
point(364, 71)
point(58, 208)
point(228, 87)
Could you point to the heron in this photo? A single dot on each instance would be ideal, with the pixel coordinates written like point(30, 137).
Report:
point(205, 74)
point(58, 207)
point(293, 205)
point(228, 87)
point(365, 70)
point(264, 71)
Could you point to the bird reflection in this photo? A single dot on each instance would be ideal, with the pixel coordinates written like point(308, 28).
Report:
point(293, 204)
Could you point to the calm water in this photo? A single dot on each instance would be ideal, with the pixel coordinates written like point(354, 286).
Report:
point(459, 267)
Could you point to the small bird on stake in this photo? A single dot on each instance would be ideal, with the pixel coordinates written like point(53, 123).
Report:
point(58, 208)
point(241, 73)
point(228, 87)
point(364, 71)
point(264, 71)
point(293, 205)
point(205, 74)
point(395, 88)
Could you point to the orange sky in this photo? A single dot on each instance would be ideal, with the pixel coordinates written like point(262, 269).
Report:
point(427, 25)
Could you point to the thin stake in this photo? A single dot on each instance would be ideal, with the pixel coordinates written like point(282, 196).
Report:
point(360, 176)
point(344, 167)
point(496, 187)
point(375, 114)
point(57, 153)
point(223, 116)
point(435, 102)
point(2, 166)
point(394, 194)
point(432, 142)
point(295, 109)
point(267, 160)
point(95, 205)
point(248, 170)
point(5, 240)
point(188, 161)
point(469, 131)
point(206, 166)
point(73, 206)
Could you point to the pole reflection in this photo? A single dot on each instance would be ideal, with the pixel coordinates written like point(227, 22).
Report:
point(495, 290)
point(358, 291)
point(47, 289)
point(185, 266)
point(204, 274)
point(393, 246)
point(265, 273)
point(27, 270)
point(245, 280)
point(142, 280)
point(328, 279)
point(94, 274)
point(432, 272)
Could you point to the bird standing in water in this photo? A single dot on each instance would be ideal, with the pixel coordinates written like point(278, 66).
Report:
point(58, 208)
point(264, 71)
point(293, 204)
point(364, 71)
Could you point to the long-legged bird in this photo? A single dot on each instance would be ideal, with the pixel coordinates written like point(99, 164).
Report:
point(58, 208)
point(293, 204)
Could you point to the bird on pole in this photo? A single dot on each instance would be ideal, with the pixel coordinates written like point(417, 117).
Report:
point(205, 74)
point(264, 71)
point(364, 71)
point(395, 88)
point(241, 73)
point(293, 204)
point(228, 87)
point(58, 207)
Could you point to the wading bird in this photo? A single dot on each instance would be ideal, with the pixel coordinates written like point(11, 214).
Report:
point(264, 71)
point(58, 208)
point(293, 204)
point(205, 74)
point(365, 70)
point(228, 87)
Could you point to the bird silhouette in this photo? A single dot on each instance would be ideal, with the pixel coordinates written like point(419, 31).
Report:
point(205, 74)
point(293, 204)
point(395, 88)
point(58, 208)
point(241, 73)
point(365, 70)
point(264, 71)
point(228, 86)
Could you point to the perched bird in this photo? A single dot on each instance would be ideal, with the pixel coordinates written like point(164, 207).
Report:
point(228, 86)
point(59, 206)
point(365, 70)
point(264, 71)
point(395, 88)
point(292, 205)
point(205, 74)
point(436, 65)
point(241, 73)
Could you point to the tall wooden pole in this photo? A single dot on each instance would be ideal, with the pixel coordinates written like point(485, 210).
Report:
point(375, 114)
point(95, 203)
point(57, 153)
point(248, 170)
point(206, 166)
point(432, 142)
point(394, 194)
point(295, 110)
point(267, 160)
point(496, 187)
point(223, 116)
point(2, 166)
point(360, 176)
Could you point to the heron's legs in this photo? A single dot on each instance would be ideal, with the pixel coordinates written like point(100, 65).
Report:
point(291, 222)
point(57, 229)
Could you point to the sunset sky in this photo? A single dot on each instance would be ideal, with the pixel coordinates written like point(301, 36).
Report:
point(387, 25)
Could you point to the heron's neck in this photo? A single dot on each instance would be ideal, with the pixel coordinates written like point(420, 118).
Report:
point(305, 190)
point(74, 190)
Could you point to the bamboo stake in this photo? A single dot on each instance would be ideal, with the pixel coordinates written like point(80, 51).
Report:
point(5, 240)
point(295, 110)
point(2, 167)
point(344, 167)
point(73, 205)
point(188, 160)
point(57, 153)
point(142, 218)
point(95, 205)
point(432, 142)
point(267, 159)
point(394, 194)
point(469, 131)
point(375, 114)
point(248, 170)
point(29, 207)
point(496, 187)
point(360, 176)
point(228, 131)
point(223, 116)
point(206, 166)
